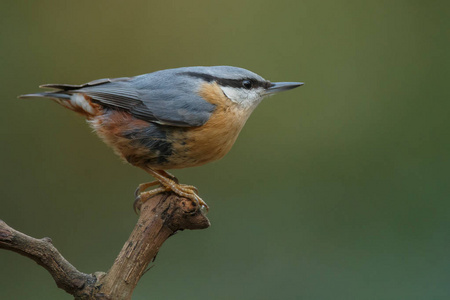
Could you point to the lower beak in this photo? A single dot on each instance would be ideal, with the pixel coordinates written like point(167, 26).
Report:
point(277, 87)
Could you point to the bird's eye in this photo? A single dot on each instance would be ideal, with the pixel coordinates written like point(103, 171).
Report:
point(247, 84)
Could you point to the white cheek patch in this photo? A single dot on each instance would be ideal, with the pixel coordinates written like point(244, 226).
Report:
point(245, 98)
point(232, 93)
point(78, 100)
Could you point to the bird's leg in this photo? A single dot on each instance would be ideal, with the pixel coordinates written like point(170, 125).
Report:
point(184, 186)
point(168, 175)
point(169, 183)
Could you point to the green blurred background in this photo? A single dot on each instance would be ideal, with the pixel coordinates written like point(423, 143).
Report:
point(336, 190)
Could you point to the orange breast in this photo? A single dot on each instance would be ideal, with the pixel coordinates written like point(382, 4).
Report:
point(216, 137)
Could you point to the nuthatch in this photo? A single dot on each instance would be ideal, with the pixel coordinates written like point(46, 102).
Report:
point(169, 119)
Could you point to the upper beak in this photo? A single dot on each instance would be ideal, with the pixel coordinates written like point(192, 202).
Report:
point(277, 87)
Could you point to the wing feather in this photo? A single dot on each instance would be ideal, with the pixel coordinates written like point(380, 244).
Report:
point(164, 100)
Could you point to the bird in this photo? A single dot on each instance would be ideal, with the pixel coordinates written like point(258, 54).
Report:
point(169, 119)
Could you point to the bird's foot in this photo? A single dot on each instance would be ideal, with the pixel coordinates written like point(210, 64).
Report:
point(167, 184)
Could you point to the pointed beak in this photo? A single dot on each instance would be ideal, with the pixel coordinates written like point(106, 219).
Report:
point(277, 87)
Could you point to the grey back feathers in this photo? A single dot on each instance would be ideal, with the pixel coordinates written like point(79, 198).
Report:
point(169, 97)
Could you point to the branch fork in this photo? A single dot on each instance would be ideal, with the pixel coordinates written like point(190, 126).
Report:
point(160, 217)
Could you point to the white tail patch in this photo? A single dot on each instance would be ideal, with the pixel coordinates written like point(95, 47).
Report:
point(78, 100)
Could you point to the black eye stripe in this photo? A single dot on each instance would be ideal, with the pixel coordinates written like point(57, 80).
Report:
point(236, 83)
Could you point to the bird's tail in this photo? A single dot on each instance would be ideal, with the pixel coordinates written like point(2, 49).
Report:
point(52, 95)
point(78, 102)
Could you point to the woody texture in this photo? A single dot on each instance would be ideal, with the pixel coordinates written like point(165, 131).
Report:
point(160, 217)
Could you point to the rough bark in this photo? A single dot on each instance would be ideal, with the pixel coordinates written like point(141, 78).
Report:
point(160, 217)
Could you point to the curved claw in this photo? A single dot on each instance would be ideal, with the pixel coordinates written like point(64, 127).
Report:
point(136, 193)
point(136, 206)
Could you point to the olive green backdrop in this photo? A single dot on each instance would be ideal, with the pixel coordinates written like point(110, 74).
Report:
point(336, 190)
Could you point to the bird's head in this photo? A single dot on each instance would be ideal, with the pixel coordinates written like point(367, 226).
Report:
point(240, 86)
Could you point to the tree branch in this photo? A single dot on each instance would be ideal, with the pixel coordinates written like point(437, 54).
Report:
point(161, 216)
point(66, 276)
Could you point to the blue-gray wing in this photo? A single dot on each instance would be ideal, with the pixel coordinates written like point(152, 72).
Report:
point(167, 100)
